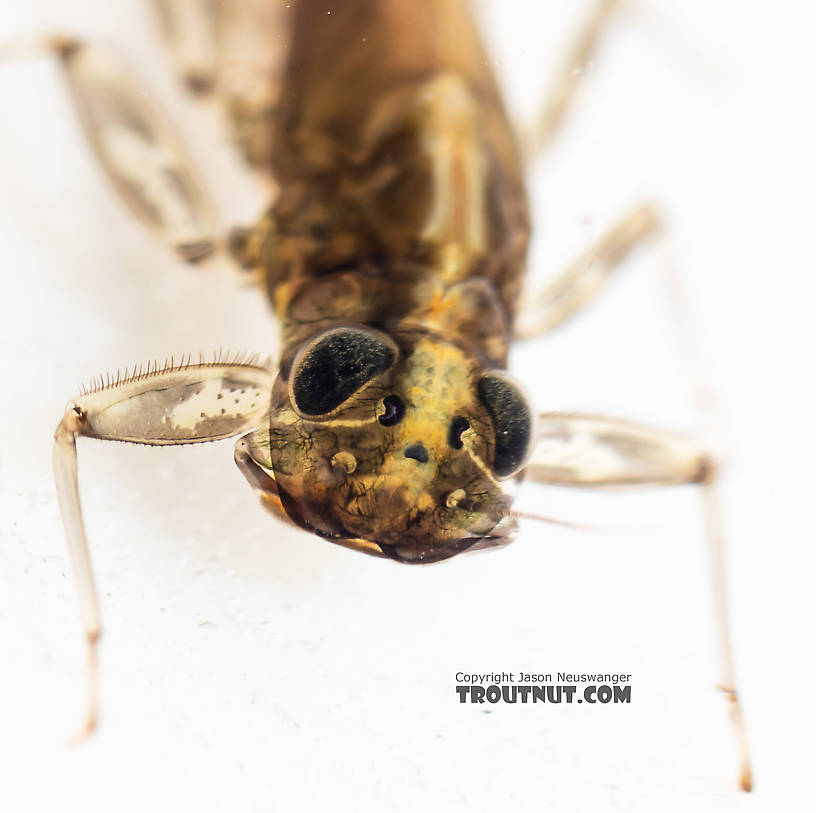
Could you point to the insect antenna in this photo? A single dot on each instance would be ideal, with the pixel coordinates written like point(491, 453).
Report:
point(574, 526)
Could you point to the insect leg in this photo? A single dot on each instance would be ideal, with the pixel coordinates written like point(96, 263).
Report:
point(190, 28)
point(595, 451)
point(592, 451)
point(136, 146)
point(235, 48)
point(549, 307)
point(727, 683)
point(551, 116)
point(177, 404)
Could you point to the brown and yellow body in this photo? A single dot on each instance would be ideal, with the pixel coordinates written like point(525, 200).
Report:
point(402, 213)
point(393, 257)
point(399, 174)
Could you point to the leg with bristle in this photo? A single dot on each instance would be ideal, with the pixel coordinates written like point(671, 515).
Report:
point(179, 404)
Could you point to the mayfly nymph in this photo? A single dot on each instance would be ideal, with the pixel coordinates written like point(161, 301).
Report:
point(393, 256)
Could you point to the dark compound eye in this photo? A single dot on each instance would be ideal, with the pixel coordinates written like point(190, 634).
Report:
point(394, 410)
point(512, 419)
point(336, 365)
point(457, 426)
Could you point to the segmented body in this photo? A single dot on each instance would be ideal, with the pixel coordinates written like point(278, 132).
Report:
point(399, 172)
point(393, 258)
point(402, 209)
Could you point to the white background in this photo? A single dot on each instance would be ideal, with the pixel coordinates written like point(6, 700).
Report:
point(249, 667)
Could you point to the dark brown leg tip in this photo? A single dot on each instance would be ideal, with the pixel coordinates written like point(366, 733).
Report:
point(239, 249)
point(195, 252)
point(198, 83)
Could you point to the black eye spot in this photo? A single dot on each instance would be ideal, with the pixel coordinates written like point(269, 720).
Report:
point(394, 410)
point(457, 426)
point(417, 452)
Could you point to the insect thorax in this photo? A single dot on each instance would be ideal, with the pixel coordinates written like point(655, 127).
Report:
point(379, 217)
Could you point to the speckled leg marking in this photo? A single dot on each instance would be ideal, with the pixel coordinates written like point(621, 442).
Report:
point(178, 404)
